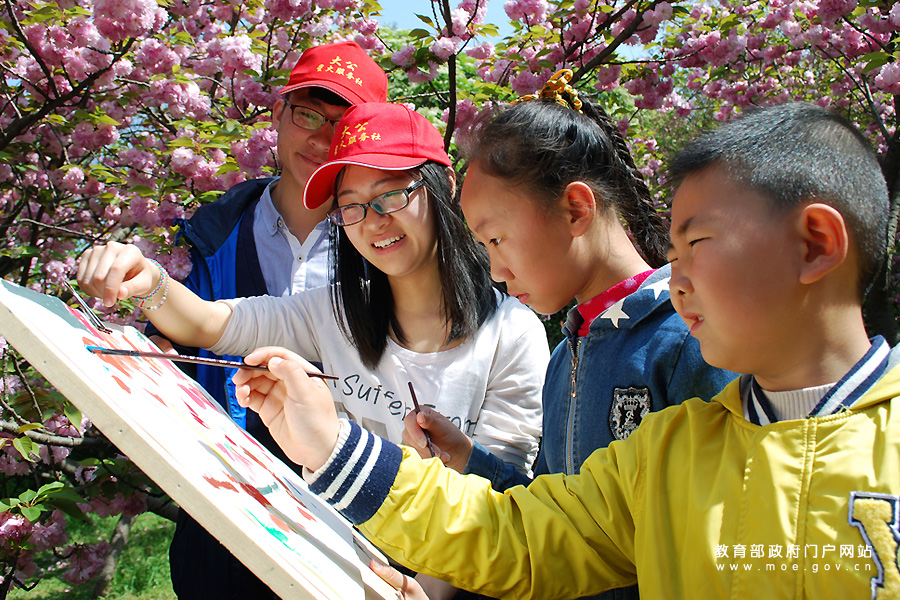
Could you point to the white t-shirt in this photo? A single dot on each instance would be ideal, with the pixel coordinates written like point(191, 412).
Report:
point(489, 385)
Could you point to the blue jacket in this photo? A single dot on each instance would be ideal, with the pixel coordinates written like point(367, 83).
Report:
point(638, 357)
point(225, 265)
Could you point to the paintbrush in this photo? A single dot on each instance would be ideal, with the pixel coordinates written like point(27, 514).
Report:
point(412, 393)
point(199, 360)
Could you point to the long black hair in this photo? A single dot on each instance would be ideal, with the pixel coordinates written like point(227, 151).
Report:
point(543, 147)
point(364, 293)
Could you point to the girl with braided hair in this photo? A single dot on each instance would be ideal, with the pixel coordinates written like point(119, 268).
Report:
point(549, 183)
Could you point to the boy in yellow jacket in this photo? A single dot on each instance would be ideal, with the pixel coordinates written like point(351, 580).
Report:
point(786, 484)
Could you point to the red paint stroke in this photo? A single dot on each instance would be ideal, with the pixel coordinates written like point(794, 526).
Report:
point(197, 396)
point(121, 384)
point(156, 397)
point(255, 494)
point(280, 524)
point(220, 485)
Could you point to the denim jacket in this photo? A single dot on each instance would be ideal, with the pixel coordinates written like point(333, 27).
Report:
point(638, 357)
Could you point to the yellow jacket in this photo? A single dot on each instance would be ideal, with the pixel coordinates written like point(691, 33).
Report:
point(813, 503)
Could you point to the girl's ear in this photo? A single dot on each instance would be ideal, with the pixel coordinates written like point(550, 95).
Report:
point(580, 205)
point(451, 175)
point(826, 241)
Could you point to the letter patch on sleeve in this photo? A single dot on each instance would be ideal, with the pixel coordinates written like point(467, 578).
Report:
point(878, 516)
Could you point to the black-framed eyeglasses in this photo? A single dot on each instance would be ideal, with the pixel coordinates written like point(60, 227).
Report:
point(383, 204)
point(307, 118)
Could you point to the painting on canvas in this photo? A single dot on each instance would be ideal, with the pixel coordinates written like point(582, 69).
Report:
point(180, 437)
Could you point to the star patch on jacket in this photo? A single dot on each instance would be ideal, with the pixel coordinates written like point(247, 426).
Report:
point(629, 407)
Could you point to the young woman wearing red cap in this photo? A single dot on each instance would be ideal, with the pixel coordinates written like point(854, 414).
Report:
point(412, 303)
point(259, 239)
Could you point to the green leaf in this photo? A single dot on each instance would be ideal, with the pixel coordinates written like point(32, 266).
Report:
point(227, 167)
point(488, 29)
point(419, 34)
point(878, 62)
point(25, 447)
point(50, 488)
point(104, 118)
point(32, 513)
point(5, 505)
point(426, 20)
point(73, 415)
point(69, 507)
point(143, 190)
point(28, 496)
point(29, 427)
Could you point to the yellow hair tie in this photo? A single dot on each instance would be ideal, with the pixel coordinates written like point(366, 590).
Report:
point(557, 89)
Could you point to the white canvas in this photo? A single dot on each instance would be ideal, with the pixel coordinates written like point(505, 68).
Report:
point(180, 437)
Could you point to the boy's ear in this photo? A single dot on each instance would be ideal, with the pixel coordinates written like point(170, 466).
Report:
point(580, 205)
point(826, 240)
point(277, 109)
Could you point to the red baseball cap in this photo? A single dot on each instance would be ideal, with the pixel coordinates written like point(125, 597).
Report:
point(377, 135)
point(343, 68)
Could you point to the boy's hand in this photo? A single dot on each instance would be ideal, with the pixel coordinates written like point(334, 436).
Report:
point(115, 272)
point(450, 444)
point(297, 409)
point(408, 587)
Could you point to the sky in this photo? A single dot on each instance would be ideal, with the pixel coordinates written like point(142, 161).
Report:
point(403, 13)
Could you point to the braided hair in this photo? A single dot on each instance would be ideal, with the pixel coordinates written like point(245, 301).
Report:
point(544, 147)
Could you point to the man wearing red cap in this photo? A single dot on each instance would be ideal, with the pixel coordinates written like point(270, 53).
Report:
point(259, 239)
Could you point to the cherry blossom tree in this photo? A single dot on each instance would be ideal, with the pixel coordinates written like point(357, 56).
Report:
point(118, 116)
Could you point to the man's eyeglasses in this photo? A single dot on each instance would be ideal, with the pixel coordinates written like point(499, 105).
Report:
point(383, 204)
point(307, 118)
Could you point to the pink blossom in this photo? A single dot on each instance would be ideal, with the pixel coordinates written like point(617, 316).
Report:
point(888, 78)
point(12, 464)
point(85, 562)
point(445, 47)
point(482, 51)
point(365, 27)
point(368, 43)
point(156, 57)
point(72, 179)
point(404, 57)
point(459, 23)
point(527, 11)
point(895, 15)
point(466, 119)
point(608, 77)
point(14, 527)
point(235, 53)
point(182, 98)
point(526, 82)
point(56, 272)
point(50, 533)
point(416, 75)
point(318, 27)
point(118, 20)
point(286, 10)
point(830, 11)
point(178, 263)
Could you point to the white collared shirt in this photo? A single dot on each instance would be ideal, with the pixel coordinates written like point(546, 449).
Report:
point(288, 265)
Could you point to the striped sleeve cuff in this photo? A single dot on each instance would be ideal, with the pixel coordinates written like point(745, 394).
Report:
point(359, 474)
